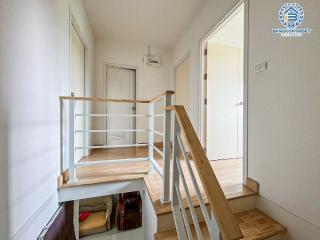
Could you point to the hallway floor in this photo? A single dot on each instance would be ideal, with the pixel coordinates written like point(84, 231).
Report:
point(114, 234)
point(228, 172)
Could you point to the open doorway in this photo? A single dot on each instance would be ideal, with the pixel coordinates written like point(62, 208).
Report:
point(120, 84)
point(223, 88)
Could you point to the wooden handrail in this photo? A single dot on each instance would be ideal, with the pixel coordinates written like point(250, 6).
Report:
point(228, 225)
point(158, 98)
point(92, 99)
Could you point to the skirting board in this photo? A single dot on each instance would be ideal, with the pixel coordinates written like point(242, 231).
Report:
point(298, 229)
point(33, 227)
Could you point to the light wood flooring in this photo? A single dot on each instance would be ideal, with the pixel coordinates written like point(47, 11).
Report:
point(228, 172)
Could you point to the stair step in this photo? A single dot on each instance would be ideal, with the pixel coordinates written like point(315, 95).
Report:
point(254, 224)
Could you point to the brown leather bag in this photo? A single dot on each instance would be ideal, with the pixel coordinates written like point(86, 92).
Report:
point(129, 211)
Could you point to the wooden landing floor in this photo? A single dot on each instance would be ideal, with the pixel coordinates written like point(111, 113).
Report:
point(228, 172)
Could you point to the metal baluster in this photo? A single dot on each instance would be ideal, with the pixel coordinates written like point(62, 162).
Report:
point(72, 172)
point(166, 151)
point(151, 136)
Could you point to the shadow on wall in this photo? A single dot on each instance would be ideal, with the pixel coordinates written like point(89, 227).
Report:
point(4, 194)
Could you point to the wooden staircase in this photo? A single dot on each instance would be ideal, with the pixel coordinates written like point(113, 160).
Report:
point(254, 225)
point(225, 222)
point(197, 192)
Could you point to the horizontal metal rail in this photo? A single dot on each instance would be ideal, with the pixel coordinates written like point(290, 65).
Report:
point(111, 130)
point(183, 212)
point(103, 162)
point(194, 182)
point(157, 150)
point(112, 146)
point(191, 207)
point(158, 115)
point(157, 167)
point(158, 133)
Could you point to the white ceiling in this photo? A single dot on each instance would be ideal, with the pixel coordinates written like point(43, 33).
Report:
point(232, 32)
point(159, 22)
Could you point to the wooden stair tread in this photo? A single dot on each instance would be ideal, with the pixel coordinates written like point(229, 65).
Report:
point(231, 192)
point(254, 225)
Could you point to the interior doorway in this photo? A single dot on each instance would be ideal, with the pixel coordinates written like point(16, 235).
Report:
point(121, 84)
point(223, 88)
point(77, 83)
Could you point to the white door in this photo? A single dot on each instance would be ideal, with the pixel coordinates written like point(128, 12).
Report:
point(182, 82)
point(77, 74)
point(224, 98)
point(121, 84)
point(182, 74)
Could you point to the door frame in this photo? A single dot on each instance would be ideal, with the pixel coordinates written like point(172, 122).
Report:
point(174, 69)
point(123, 66)
point(202, 84)
point(73, 23)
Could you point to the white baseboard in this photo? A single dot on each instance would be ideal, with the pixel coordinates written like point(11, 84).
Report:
point(298, 229)
point(33, 227)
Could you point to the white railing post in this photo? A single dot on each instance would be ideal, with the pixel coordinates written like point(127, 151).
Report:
point(166, 150)
point(151, 136)
point(72, 172)
point(175, 170)
point(214, 229)
point(61, 138)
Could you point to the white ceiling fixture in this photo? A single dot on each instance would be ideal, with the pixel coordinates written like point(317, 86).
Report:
point(151, 60)
point(158, 22)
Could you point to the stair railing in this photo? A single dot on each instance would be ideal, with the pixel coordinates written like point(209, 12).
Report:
point(222, 222)
point(70, 103)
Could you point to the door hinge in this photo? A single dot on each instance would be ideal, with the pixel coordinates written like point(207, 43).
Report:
point(205, 52)
point(205, 101)
point(205, 76)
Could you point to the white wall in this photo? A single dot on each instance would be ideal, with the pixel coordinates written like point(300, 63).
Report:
point(284, 115)
point(34, 46)
point(283, 112)
point(150, 81)
point(211, 12)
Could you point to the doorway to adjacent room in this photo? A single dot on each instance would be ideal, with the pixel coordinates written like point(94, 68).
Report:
point(222, 124)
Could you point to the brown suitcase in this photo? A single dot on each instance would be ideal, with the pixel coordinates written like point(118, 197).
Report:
point(129, 211)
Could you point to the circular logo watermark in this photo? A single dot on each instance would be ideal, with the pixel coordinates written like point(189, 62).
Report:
point(291, 15)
